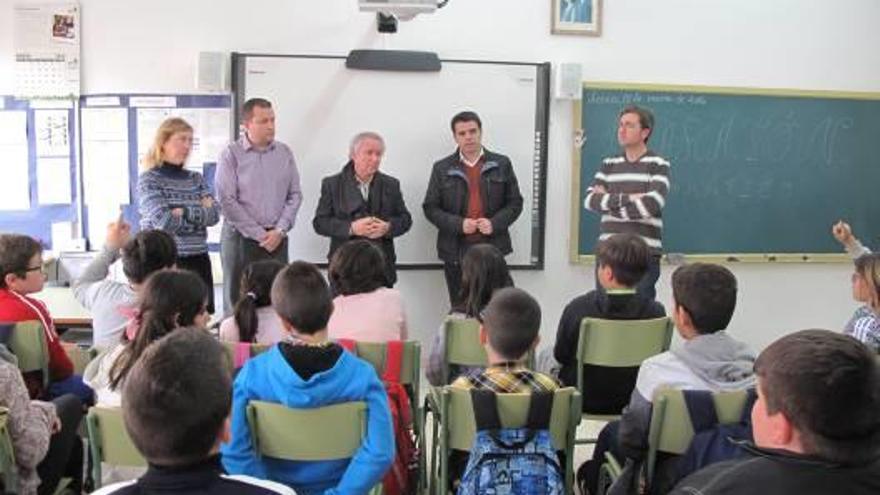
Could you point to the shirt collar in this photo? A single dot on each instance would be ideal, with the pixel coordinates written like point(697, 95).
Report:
point(470, 164)
point(248, 145)
point(508, 366)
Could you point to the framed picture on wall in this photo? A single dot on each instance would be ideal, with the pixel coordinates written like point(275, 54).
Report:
point(582, 17)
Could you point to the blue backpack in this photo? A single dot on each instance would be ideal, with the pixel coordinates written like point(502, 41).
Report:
point(517, 461)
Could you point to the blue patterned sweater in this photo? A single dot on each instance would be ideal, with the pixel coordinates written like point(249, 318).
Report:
point(166, 187)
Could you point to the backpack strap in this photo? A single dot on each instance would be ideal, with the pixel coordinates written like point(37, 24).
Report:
point(485, 407)
point(393, 361)
point(540, 407)
point(242, 354)
point(701, 408)
point(348, 344)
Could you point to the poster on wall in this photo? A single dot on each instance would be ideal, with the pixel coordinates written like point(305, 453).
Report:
point(47, 50)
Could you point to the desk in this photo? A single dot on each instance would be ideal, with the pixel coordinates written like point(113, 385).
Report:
point(64, 308)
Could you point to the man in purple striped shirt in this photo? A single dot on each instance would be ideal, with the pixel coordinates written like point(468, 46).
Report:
point(257, 184)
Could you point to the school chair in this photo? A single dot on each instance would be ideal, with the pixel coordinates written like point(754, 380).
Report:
point(463, 347)
point(458, 427)
point(238, 353)
point(317, 434)
point(109, 441)
point(79, 356)
point(671, 429)
point(8, 469)
point(410, 377)
point(618, 343)
point(7, 456)
point(28, 343)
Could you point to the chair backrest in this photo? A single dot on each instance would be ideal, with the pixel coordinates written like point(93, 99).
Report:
point(671, 430)
point(79, 356)
point(463, 346)
point(458, 415)
point(8, 470)
point(374, 353)
point(28, 342)
point(238, 353)
point(317, 434)
point(621, 343)
point(109, 441)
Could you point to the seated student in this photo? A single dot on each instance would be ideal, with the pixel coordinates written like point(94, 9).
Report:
point(21, 273)
point(865, 322)
point(816, 424)
point(622, 262)
point(253, 319)
point(483, 271)
point(176, 412)
point(170, 299)
point(509, 330)
point(305, 371)
point(364, 308)
point(704, 297)
point(44, 435)
point(112, 303)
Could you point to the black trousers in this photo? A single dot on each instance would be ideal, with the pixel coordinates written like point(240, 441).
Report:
point(65, 456)
point(452, 271)
point(200, 264)
point(237, 252)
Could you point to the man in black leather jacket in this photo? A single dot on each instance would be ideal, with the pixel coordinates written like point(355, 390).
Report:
point(473, 197)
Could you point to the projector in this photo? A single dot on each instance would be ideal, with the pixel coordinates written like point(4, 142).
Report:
point(401, 9)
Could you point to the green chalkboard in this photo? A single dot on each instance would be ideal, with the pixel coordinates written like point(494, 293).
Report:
point(756, 174)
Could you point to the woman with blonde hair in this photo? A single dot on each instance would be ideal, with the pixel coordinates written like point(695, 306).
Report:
point(177, 200)
point(865, 323)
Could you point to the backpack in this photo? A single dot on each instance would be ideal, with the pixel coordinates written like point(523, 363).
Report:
point(403, 476)
point(517, 461)
point(713, 442)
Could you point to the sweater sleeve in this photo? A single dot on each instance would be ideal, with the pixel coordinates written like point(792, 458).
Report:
point(87, 288)
point(154, 207)
point(198, 214)
point(376, 453)
point(434, 371)
point(567, 335)
point(30, 423)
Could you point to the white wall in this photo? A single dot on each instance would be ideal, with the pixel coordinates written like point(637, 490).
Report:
point(152, 47)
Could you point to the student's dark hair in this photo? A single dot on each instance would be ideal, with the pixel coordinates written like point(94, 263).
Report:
point(357, 267)
point(170, 299)
point(512, 320)
point(828, 386)
point(707, 292)
point(483, 271)
point(466, 116)
point(247, 110)
point(255, 291)
point(147, 252)
point(627, 255)
point(177, 397)
point(868, 267)
point(646, 117)
point(16, 251)
point(301, 297)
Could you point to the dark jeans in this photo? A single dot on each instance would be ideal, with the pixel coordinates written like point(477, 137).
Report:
point(588, 473)
point(646, 285)
point(452, 271)
point(236, 252)
point(200, 264)
point(65, 456)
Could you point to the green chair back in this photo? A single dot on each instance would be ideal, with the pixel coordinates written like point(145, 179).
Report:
point(79, 356)
point(28, 343)
point(109, 441)
point(229, 349)
point(317, 434)
point(7, 457)
point(463, 346)
point(459, 427)
point(671, 430)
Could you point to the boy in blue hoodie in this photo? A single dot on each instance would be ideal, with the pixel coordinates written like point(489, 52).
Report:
point(305, 371)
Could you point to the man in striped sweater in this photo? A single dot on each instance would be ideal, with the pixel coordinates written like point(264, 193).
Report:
point(629, 190)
